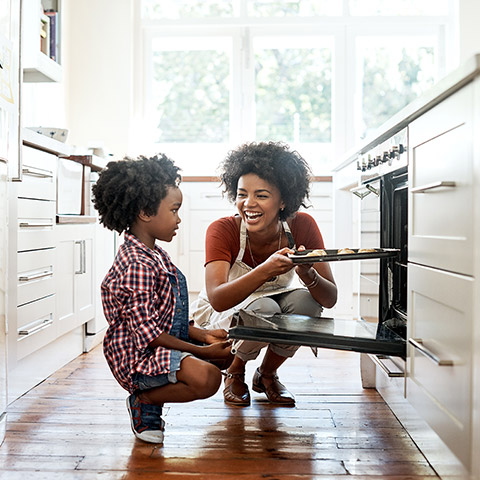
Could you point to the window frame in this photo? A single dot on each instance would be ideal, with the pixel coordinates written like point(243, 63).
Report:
point(344, 31)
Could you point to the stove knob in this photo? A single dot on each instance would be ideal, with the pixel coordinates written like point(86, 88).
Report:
point(378, 160)
point(394, 152)
point(359, 167)
point(386, 157)
point(371, 162)
point(401, 148)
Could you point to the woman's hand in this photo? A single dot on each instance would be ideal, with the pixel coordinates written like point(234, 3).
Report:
point(215, 336)
point(207, 336)
point(278, 263)
point(303, 269)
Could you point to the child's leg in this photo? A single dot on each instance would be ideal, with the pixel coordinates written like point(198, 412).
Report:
point(196, 379)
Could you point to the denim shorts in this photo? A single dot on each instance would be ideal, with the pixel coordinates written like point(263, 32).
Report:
point(146, 382)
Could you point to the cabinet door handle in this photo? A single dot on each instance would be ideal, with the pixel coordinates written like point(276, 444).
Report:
point(83, 261)
point(35, 276)
point(417, 343)
point(44, 323)
point(34, 225)
point(433, 186)
point(37, 172)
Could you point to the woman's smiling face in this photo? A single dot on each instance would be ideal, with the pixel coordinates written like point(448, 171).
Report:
point(258, 202)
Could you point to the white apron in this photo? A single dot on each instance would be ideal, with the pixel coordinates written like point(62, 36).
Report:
point(205, 316)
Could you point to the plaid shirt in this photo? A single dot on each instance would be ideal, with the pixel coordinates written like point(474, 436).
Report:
point(139, 304)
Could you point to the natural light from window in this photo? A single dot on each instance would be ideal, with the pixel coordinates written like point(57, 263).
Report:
point(318, 75)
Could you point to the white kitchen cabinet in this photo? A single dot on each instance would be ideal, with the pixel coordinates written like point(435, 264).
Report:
point(31, 288)
point(443, 269)
point(440, 358)
point(203, 203)
point(441, 182)
point(75, 297)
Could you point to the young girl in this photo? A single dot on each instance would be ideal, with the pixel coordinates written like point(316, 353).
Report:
point(148, 344)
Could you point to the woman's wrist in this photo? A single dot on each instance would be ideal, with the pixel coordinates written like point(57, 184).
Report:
point(311, 283)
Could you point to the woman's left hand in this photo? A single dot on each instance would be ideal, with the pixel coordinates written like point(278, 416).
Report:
point(215, 336)
point(302, 268)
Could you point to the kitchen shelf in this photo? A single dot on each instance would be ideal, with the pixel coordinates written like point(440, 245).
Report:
point(38, 65)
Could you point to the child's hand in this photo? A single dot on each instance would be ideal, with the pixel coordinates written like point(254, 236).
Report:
point(215, 336)
point(217, 351)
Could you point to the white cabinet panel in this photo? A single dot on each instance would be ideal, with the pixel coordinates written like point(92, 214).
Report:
point(35, 275)
point(441, 176)
point(439, 365)
point(35, 326)
point(74, 276)
point(38, 175)
point(36, 222)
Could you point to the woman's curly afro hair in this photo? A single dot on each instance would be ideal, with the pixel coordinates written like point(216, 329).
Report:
point(274, 163)
point(129, 186)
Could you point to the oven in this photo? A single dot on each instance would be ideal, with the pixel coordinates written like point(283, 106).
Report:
point(380, 328)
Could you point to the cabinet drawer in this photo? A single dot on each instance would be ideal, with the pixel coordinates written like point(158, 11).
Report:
point(36, 221)
point(441, 191)
point(35, 327)
point(207, 195)
point(440, 306)
point(35, 275)
point(38, 175)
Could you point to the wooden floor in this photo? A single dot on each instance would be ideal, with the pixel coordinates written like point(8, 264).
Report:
point(75, 426)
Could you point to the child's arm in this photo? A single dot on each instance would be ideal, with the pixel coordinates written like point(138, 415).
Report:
point(203, 335)
point(219, 350)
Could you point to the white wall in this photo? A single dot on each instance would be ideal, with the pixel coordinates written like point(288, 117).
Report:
point(98, 71)
point(469, 15)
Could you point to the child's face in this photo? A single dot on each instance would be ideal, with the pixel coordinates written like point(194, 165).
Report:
point(164, 224)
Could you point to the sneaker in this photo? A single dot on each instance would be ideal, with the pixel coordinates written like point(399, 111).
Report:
point(145, 420)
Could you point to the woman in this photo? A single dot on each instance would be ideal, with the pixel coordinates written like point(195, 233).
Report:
point(247, 264)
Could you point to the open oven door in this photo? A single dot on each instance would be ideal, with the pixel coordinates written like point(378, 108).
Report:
point(339, 334)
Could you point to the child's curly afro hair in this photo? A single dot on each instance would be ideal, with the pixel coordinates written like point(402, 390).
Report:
point(274, 163)
point(129, 186)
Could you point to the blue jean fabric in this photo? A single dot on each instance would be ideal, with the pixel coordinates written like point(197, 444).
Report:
point(179, 329)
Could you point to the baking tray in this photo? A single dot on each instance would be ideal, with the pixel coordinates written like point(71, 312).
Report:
point(334, 256)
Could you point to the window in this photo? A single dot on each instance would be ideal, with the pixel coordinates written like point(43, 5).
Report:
point(316, 74)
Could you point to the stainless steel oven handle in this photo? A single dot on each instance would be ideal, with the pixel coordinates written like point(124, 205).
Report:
point(372, 189)
point(433, 186)
point(360, 192)
point(418, 344)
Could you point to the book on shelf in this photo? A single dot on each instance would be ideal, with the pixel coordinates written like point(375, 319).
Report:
point(53, 44)
point(45, 35)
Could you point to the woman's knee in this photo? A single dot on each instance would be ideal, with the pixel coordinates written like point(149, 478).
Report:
point(264, 305)
point(300, 302)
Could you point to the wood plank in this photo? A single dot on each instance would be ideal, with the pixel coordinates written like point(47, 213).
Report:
point(75, 425)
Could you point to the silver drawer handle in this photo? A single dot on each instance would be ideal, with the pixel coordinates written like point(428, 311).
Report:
point(34, 225)
point(390, 373)
point(433, 186)
point(37, 172)
point(35, 276)
point(3, 160)
point(418, 344)
point(47, 322)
